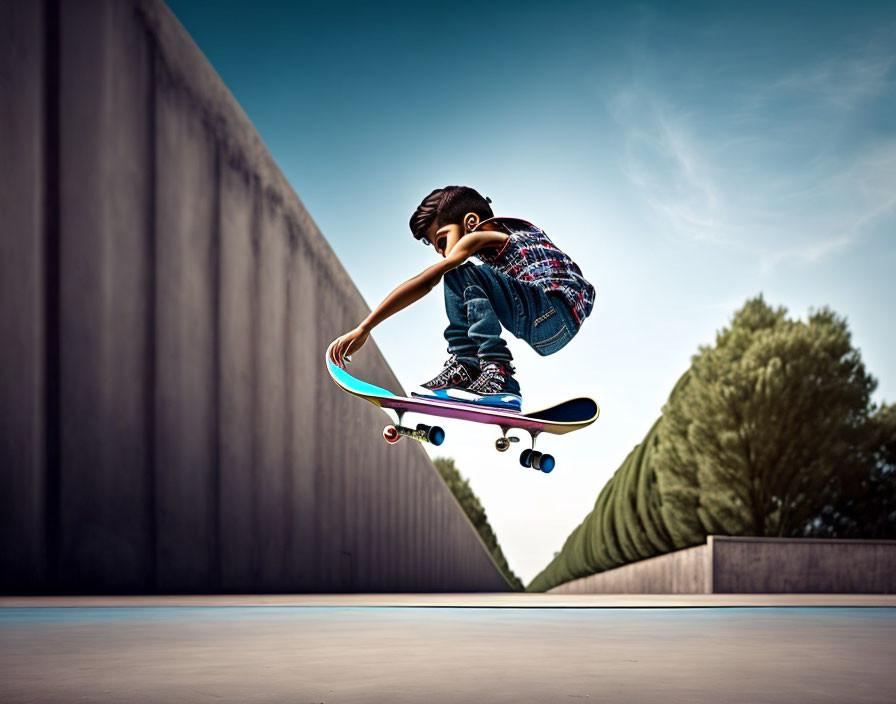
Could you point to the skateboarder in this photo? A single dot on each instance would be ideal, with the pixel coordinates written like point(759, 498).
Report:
point(527, 285)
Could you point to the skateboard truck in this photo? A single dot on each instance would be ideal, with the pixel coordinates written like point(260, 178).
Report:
point(502, 444)
point(537, 460)
point(423, 433)
point(529, 457)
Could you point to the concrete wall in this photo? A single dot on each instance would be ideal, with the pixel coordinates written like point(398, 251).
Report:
point(166, 421)
point(734, 565)
point(787, 565)
point(682, 572)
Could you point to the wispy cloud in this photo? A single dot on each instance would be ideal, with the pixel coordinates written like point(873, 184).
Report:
point(669, 166)
point(793, 168)
point(847, 81)
point(871, 183)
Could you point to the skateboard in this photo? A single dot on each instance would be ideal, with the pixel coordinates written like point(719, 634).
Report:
point(565, 417)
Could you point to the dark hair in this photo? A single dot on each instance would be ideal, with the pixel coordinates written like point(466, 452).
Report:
point(448, 206)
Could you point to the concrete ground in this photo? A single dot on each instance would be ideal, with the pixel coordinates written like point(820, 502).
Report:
point(449, 648)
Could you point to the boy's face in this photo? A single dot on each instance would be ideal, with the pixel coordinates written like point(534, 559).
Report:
point(444, 237)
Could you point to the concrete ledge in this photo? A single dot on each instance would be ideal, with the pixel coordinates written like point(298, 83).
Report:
point(746, 565)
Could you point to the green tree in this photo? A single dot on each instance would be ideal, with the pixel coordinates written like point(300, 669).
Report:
point(471, 505)
point(771, 432)
point(765, 422)
point(863, 504)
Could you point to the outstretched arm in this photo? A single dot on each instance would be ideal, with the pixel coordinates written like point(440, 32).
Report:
point(412, 291)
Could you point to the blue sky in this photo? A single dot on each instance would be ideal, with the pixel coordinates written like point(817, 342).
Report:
point(687, 155)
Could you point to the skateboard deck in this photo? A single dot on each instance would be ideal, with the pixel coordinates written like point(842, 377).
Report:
point(565, 417)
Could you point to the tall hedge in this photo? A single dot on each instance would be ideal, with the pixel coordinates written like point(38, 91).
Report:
point(771, 432)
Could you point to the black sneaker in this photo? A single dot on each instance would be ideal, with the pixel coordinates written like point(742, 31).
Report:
point(454, 375)
point(495, 386)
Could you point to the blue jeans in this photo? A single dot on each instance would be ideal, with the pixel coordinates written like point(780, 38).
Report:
point(480, 300)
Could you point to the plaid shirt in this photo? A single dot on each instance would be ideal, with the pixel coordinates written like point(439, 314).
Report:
point(529, 256)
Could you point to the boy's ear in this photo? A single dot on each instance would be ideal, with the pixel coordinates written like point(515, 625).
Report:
point(471, 220)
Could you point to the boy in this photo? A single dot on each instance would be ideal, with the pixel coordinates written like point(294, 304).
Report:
point(526, 285)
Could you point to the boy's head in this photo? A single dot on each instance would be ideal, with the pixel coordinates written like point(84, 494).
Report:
point(453, 205)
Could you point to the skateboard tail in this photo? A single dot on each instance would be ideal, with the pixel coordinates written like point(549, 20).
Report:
point(352, 384)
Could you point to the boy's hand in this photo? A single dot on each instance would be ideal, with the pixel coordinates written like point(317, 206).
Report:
point(348, 344)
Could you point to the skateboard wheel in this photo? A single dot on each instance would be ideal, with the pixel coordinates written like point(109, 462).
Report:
point(502, 444)
point(546, 463)
point(435, 435)
point(390, 434)
point(526, 458)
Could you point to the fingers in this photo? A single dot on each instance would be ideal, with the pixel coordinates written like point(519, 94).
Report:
point(344, 348)
point(335, 353)
point(340, 350)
